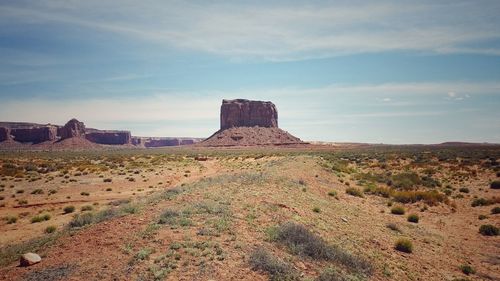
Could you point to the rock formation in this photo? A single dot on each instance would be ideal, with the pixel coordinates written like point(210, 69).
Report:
point(247, 123)
point(35, 134)
point(4, 134)
point(73, 128)
point(109, 137)
point(246, 113)
point(161, 142)
point(29, 259)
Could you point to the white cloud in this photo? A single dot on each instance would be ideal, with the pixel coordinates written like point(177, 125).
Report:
point(278, 32)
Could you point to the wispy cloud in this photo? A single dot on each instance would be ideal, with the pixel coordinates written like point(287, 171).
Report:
point(279, 32)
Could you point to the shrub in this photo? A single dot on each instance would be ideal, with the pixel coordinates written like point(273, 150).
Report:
point(464, 190)
point(484, 202)
point(109, 189)
point(482, 217)
point(69, 209)
point(404, 245)
point(11, 219)
point(488, 230)
point(82, 220)
point(413, 218)
point(354, 192)
point(332, 193)
point(40, 218)
point(398, 210)
point(316, 210)
point(50, 229)
point(37, 191)
point(495, 211)
point(84, 193)
point(262, 260)
point(495, 185)
point(168, 217)
point(467, 269)
point(431, 197)
point(87, 208)
point(393, 226)
point(107, 180)
point(301, 241)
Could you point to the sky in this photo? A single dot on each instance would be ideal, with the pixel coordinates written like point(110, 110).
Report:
point(344, 71)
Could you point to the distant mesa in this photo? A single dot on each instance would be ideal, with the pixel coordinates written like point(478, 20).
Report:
point(248, 123)
point(74, 134)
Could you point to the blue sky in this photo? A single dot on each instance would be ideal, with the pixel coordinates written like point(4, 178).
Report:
point(360, 71)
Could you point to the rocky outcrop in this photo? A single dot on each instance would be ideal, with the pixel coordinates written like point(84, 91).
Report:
point(4, 134)
point(35, 134)
point(249, 123)
point(161, 142)
point(109, 137)
point(29, 259)
point(247, 113)
point(73, 128)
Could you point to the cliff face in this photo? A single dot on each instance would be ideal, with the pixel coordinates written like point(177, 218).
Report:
point(109, 137)
point(4, 134)
point(246, 113)
point(35, 135)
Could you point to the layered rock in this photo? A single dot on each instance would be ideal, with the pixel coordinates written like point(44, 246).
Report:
point(109, 137)
point(247, 113)
point(248, 123)
point(35, 134)
point(73, 128)
point(4, 134)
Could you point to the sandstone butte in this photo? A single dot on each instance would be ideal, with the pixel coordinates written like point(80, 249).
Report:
point(248, 123)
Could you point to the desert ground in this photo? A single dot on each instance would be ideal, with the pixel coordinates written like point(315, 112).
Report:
point(194, 213)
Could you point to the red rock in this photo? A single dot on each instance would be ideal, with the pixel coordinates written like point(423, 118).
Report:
point(73, 128)
point(4, 134)
point(35, 134)
point(247, 113)
point(109, 137)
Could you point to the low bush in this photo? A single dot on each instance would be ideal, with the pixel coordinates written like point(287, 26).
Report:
point(87, 218)
point(11, 219)
point(83, 193)
point(40, 218)
point(37, 191)
point(332, 193)
point(393, 226)
point(398, 210)
point(87, 208)
point(495, 185)
point(316, 210)
point(262, 260)
point(467, 269)
point(50, 229)
point(404, 245)
point(301, 241)
point(484, 202)
point(488, 230)
point(107, 180)
point(413, 218)
point(354, 192)
point(69, 209)
point(464, 190)
point(495, 211)
point(431, 197)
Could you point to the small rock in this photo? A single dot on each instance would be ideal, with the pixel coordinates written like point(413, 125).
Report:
point(344, 219)
point(29, 259)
